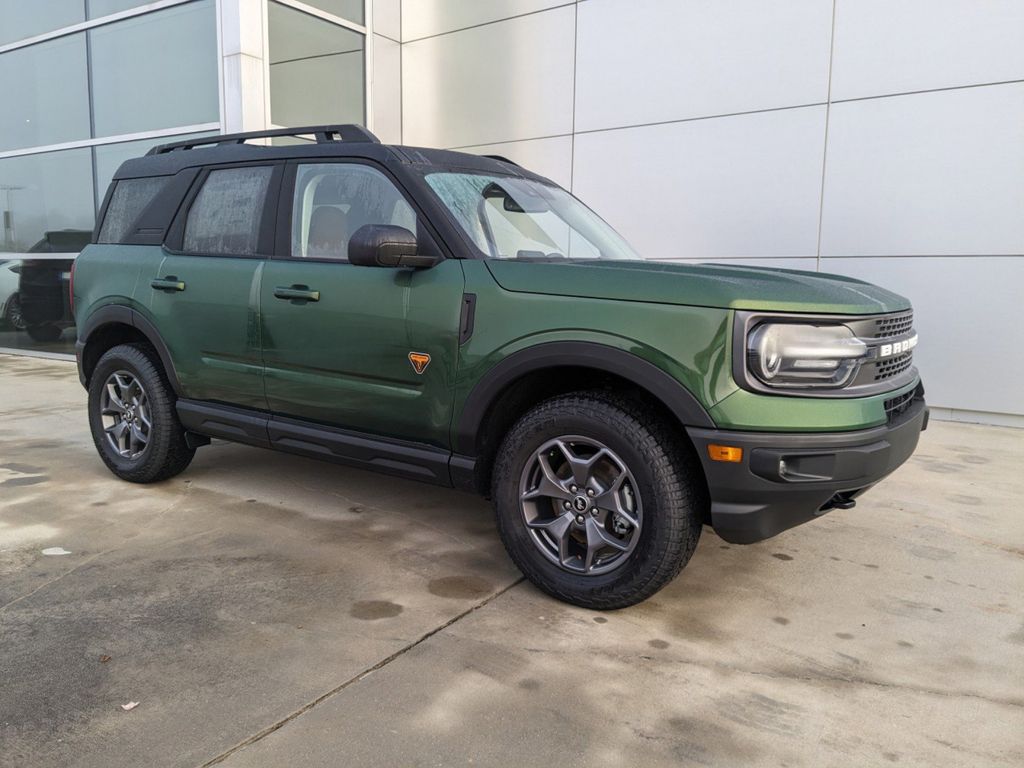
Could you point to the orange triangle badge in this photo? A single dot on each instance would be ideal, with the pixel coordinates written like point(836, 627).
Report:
point(420, 361)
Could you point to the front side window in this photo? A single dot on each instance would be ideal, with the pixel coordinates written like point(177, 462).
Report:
point(225, 216)
point(333, 200)
point(513, 218)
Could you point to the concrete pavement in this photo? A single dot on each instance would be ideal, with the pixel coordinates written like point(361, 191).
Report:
point(266, 610)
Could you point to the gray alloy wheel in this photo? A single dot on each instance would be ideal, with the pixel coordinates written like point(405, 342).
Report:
point(14, 316)
point(124, 409)
point(581, 506)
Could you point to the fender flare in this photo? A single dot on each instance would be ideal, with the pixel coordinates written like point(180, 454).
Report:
point(670, 392)
point(117, 314)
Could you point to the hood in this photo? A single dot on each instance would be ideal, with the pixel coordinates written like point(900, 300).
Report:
point(704, 285)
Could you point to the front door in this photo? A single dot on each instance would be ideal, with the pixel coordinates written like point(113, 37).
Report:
point(366, 349)
point(204, 294)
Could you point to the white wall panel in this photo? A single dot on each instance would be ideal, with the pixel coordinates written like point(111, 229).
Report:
point(657, 60)
point(421, 18)
point(548, 157)
point(932, 173)
point(967, 313)
point(387, 90)
point(500, 82)
point(709, 189)
point(387, 18)
point(895, 46)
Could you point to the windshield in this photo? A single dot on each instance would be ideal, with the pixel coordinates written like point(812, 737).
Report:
point(513, 218)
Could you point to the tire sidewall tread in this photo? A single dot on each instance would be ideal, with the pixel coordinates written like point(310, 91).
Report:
point(167, 453)
point(671, 491)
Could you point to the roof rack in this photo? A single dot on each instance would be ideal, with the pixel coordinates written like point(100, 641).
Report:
point(324, 134)
point(503, 159)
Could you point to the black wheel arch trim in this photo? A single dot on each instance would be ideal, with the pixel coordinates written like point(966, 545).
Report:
point(556, 354)
point(112, 314)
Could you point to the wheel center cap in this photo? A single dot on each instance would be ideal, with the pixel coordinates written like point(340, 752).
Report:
point(580, 503)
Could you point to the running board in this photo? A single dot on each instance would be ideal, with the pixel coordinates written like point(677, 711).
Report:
point(239, 425)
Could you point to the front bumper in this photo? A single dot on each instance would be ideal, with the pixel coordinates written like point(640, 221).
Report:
point(784, 480)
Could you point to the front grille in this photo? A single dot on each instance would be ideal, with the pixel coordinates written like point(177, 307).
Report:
point(894, 325)
point(896, 406)
point(886, 369)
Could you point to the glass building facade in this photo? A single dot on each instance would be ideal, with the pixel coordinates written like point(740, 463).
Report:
point(91, 83)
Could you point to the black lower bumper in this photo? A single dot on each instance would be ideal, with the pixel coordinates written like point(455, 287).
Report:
point(784, 480)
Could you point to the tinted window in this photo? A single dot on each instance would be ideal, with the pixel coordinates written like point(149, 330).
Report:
point(225, 216)
point(20, 19)
point(43, 199)
point(333, 200)
point(158, 70)
point(130, 197)
point(312, 56)
point(45, 93)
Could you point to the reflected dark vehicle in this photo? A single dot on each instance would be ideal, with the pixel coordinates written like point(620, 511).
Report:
point(43, 287)
point(10, 304)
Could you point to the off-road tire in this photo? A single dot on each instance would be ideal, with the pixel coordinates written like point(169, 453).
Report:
point(671, 487)
point(167, 453)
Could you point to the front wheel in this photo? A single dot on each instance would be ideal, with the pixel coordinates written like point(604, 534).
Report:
point(598, 503)
point(132, 417)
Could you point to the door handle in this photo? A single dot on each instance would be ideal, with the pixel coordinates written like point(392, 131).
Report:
point(296, 293)
point(169, 283)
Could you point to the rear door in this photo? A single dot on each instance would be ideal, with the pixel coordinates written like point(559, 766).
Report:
point(205, 296)
point(341, 342)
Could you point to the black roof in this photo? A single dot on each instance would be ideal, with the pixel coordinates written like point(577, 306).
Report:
point(330, 141)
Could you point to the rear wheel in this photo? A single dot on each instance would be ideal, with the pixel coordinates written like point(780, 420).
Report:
point(131, 414)
point(597, 502)
point(12, 314)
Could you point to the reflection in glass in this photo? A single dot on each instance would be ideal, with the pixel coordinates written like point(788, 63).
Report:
point(20, 19)
point(99, 8)
point(46, 202)
point(312, 56)
point(351, 10)
point(45, 93)
point(156, 71)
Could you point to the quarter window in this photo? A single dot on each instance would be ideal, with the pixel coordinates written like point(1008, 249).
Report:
point(130, 198)
point(333, 200)
point(225, 217)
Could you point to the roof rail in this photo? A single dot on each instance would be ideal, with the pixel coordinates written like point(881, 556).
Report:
point(503, 159)
point(324, 134)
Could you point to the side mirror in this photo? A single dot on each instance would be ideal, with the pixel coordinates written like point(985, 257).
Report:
point(385, 245)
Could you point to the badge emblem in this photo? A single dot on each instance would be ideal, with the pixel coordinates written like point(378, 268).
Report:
point(420, 361)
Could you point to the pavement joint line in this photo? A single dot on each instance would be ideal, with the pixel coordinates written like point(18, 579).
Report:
point(97, 555)
point(262, 734)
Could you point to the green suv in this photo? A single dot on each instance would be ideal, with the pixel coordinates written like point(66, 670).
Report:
point(460, 320)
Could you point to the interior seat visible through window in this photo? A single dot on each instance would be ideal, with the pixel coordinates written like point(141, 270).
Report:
point(333, 200)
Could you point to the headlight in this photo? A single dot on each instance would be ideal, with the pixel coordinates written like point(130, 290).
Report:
point(795, 355)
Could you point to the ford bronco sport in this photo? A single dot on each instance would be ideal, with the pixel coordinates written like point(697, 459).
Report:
point(460, 320)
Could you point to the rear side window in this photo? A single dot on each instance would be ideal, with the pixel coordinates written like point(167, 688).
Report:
point(225, 216)
point(129, 200)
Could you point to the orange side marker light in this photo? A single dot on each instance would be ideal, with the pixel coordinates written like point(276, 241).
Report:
point(729, 453)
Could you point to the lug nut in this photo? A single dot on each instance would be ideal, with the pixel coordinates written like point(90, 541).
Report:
point(579, 519)
point(590, 491)
point(566, 504)
point(594, 511)
point(573, 488)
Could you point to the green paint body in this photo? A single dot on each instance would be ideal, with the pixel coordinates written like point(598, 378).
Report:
point(343, 360)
